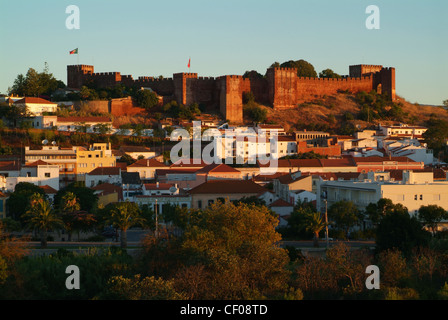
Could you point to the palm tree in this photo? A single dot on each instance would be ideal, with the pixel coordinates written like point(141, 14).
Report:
point(314, 223)
point(125, 215)
point(69, 205)
point(42, 217)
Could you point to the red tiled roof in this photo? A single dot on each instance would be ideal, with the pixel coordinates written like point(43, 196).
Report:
point(48, 190)
point(269, 177)
point(33, 100)
point(37, 163)
point(108, 188)
point(193, 163)
point(105, 171)
point(228, 187)
point(148, 163)
point(381, 159)
point(297, 163)
point(84, 119)
point(162, 172)
point(217, 168)
point(280, 203)
point(287, 179)
point(160, 186)
point(134, 149)
point(122, 165)
point(10, 165)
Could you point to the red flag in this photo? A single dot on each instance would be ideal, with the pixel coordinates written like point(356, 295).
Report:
point(189, 63)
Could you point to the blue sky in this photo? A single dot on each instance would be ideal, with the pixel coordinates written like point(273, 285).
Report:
point(229, 37)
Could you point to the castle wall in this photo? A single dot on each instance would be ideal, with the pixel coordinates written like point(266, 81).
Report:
point(124, 107)
point(281, 88)
point(310, 88)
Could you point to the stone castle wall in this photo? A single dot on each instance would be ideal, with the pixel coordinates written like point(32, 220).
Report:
point(281, 88)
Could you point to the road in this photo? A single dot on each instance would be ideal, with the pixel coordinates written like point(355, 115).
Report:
point(134, 237)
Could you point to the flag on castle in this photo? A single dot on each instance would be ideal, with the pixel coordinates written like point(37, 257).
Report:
point(189, 59)
point(74, 51)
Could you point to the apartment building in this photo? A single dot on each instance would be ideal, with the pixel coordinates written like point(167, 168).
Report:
point(96, 156)
point(64, 158)
point(416, 189)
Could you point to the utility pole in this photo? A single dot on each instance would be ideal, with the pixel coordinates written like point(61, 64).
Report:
point(157, 222)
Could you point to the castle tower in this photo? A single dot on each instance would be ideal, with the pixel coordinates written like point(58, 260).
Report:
point(77, 75)
point(231, 98)
point(360, 70)
point(282, 83)
point(184, 87)
point(387, 79)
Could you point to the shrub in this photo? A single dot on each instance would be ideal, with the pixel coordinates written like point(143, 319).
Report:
point(395, 293)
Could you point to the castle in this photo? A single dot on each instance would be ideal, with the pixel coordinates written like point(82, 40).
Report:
point(280, 88)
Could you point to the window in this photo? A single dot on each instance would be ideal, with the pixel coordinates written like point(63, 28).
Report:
point(200, 204)
point(47, 174)
point(210, 202)
point(421, 197)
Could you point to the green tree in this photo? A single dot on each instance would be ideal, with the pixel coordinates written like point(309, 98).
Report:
point(86, 197)
point(138, 288)
point(376, 211)
point(304, 68)
point(146, 99)
point(431, 215)
point(35, 83)
point(314, 223)
point(41, 216)
point(124, 215)
point(237, 246)
point(68, 207)
point(436, 134)
point(19, 200)
point(345, 215)
point(328, 73)
point(126, 159)
point(400, 231)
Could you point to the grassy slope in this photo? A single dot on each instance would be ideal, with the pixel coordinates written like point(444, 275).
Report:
point(319, 111)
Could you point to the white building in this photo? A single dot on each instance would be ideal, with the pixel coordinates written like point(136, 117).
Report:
point(39, 173)
point(415, 190)
point(36, 106)
point(402, 130)
point(100, 175)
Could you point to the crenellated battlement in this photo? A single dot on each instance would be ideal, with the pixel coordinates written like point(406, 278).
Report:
point(99, 74)
point(343, 79)
point(281, 88)
point(186, 75)
point(284, 69)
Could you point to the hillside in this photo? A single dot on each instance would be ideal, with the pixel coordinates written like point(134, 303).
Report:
point(330, 111)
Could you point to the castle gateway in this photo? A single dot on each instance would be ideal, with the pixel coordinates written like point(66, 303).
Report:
point(280, 88)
